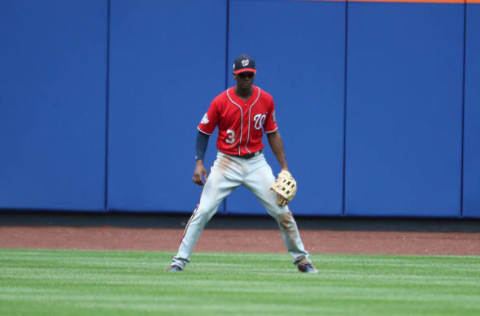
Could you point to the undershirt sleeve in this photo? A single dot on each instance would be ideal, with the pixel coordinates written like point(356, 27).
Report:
point(201, 145)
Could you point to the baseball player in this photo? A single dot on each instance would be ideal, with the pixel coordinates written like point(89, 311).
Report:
point(242, 113)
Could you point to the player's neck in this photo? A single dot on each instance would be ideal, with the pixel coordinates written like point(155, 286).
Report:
point(244, 94)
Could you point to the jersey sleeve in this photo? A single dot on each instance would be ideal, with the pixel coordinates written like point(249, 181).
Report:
point(209, 120)
point(270, 125)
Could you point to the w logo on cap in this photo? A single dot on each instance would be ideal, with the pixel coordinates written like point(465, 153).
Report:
point(244, 63)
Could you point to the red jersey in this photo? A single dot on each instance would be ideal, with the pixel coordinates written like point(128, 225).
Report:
point(240, 123)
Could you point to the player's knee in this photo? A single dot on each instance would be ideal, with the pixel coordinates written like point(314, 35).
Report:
point(286, 220)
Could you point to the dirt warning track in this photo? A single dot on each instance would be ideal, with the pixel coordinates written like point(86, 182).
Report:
point(238, 234)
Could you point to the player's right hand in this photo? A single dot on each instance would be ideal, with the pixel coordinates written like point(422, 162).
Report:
point(200, 173)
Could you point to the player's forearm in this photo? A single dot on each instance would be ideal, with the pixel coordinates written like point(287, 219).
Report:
point(276, 143)
point(201, 146)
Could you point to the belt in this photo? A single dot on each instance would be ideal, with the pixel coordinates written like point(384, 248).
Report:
point(248, 156)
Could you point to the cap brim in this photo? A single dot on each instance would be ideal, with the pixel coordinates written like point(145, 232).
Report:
point(244, 70)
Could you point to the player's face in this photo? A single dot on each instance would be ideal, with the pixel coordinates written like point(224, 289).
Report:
point(245, 79)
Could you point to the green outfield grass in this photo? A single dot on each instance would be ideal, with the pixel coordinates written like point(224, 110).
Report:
point(55, 282)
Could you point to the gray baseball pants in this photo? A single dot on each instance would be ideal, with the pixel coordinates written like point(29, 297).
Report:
point(229, 172)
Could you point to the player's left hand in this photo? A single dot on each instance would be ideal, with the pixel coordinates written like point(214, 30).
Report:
point(200, 173)
point(285, 186)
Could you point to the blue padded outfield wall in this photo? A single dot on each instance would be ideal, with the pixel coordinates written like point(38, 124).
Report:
point(305, 76)
point(471, 187)
point(404, 109)
point(52, 104)
point(378, 103)
point(167, 63)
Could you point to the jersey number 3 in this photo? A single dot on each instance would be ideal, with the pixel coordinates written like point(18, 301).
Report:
point(231, 137)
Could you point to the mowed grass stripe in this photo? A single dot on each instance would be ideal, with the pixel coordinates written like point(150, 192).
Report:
point(46, 282)
point(80, 277)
